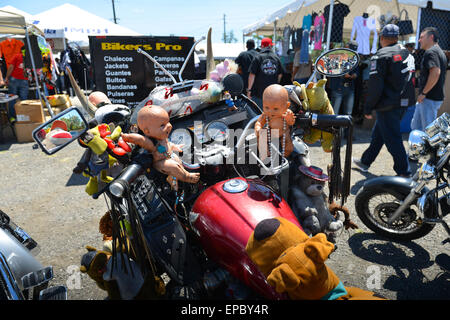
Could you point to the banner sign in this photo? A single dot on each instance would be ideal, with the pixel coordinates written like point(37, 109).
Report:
point(126, 76)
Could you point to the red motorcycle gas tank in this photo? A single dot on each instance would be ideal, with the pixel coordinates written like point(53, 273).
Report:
point(224, 221)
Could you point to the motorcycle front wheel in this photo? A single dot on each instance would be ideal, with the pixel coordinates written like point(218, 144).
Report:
point(375, 206)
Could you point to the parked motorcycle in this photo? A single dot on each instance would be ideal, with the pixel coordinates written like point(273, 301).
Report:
point(22, 277)
point(405, 209)
point(196, 236)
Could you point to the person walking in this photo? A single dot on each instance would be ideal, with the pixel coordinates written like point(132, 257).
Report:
point(301, 71)
point(431, 80)
point(389, 74)
point(265, 69)
point(17, 82)
point(244, 60)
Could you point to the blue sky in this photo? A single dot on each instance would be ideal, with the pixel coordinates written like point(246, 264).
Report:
point(177, 17)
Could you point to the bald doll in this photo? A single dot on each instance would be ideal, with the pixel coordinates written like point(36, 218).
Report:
point(98, 98)
point(278, 117)
point(154, 123)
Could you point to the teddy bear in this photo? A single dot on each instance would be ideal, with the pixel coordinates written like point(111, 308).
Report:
point(294, 263)
point(124, 280)
point(315, 99)
point(310, 203)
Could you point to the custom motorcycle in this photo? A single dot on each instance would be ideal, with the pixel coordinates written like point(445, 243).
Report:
point(405, 209)
point(196, 235)
point(22, 277)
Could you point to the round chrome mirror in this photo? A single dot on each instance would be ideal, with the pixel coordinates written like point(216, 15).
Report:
point(417, 143)
point(337, 62)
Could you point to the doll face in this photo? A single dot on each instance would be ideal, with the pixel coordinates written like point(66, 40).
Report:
point(275, 101)
point(275, 108)
point(154, 122)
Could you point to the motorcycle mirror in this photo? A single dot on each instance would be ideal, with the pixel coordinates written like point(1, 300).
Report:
point(61, 130)
point(337, 62)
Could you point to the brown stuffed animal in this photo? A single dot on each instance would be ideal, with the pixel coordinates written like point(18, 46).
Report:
point(295, 263)
point(95, 264)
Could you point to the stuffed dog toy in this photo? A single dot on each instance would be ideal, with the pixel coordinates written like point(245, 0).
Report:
point(294, 263)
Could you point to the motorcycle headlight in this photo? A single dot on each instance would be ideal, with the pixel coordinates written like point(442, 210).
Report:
point(426, 172)
point(417, 143)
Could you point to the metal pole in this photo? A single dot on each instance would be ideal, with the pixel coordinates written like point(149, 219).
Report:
point(330, 23)
point(419, 17)
point(274, 32)
point(35, 74)
point(224, 31)
point(114, 12)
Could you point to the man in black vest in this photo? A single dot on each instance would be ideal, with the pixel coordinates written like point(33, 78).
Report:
point(244, 60)
point(265, 69)
point(389, 74)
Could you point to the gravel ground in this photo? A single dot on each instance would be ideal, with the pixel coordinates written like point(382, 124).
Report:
point(40, 193)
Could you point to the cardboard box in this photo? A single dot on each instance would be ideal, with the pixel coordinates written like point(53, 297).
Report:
point(29, 111)
point(24, 130)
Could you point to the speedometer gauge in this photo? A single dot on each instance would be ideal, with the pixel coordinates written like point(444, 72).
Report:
point(217, 131)
point(181, 136)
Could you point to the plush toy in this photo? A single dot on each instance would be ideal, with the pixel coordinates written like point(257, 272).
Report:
point(317, 101)
point(310, 203)
point(294, 264)
point(222, 69)
point(154, 123)
point(107, 148)
point(119, 281)
point(276, 119)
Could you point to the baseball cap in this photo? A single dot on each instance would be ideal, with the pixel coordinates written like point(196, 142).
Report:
point(390, 30)
point(266, 42)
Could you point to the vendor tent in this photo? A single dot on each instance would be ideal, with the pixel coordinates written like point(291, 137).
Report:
point(12, 9)
point(293, 13)
point(15, 23)
point(76, 24)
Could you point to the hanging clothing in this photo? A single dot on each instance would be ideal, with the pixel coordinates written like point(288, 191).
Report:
point(296, 38)
point(285, 42)
point(304, 51)
point(363, 27)
point(307, 22)
point(9, 48)
point(319, 27)
point(340, 11)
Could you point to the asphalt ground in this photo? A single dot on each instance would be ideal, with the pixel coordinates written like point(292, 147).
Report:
point(42, 195)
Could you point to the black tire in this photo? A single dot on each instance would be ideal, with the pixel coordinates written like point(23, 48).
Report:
point(406, 228)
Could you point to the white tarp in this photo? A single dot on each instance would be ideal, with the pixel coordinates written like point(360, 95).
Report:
point(291, 14)
point(77, 24)
point(223, 51)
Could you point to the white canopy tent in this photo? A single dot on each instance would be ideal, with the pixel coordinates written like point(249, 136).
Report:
point(15, 24)
point(75, 24)
point(12, 9)
point(292, 14)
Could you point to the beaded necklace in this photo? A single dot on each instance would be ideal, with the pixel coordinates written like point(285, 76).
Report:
point(283, 143)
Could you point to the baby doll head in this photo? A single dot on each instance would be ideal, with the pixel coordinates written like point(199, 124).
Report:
point(275, 101)
point(154, 122)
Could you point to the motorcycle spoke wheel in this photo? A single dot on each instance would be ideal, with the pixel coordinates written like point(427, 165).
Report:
point(375, 207)
point(382, 206)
